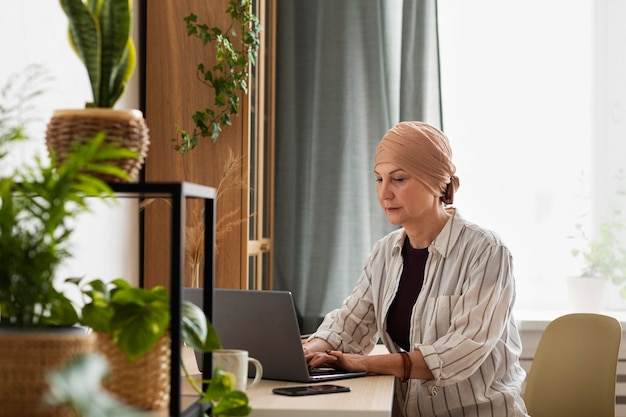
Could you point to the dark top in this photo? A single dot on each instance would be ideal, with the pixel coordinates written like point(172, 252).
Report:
point(411, 280)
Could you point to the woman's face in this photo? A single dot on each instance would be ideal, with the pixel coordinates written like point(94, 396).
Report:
point(405, 199)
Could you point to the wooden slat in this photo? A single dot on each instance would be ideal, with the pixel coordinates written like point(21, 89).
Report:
point(173, 94)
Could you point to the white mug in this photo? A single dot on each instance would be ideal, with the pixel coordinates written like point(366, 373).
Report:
point(236, 361)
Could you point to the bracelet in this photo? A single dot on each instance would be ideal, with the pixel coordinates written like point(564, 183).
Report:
point(408, 365)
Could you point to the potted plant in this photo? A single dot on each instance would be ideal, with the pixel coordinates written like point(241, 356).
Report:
point(100, 34)
point(77, 386)
point(38, 205)
point(604, 261)
point(131, 327)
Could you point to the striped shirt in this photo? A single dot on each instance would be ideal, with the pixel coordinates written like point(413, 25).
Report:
point(461, 322)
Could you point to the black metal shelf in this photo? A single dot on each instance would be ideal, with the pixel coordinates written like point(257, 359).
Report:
point(178, 193)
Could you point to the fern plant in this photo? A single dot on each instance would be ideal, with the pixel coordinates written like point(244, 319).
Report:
point(37, 207)
point(38, 204)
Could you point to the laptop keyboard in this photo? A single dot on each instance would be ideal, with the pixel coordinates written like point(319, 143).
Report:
point(324, 371)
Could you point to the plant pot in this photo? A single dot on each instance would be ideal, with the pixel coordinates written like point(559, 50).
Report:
point(126, 127)
point(587, 294)
point(144, 383)
point(25, 358)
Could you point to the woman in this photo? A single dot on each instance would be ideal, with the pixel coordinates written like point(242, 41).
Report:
point(438, 292)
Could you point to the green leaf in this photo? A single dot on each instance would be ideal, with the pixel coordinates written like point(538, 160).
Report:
point(120, 283)
point(234, 403)
point(124, 72)
point(85, 39)
point(97, 316)
point(96, 312)
point(61, 311)
point(115, 21)
point(221, 384)
point(197, 331)
point(136, 336)
point(141, 317)
point(112, 170)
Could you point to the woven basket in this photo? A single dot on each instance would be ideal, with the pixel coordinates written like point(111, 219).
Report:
point(144, 383)
point(25, 359)
point(126, 127)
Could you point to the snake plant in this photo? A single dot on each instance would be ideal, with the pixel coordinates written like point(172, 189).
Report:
point(100, 34)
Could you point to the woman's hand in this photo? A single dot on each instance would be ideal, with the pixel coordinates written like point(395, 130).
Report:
point(336, 359)
point(319, 353)
point(315, 345)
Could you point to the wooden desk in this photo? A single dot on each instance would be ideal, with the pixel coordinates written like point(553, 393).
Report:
point(370, 396)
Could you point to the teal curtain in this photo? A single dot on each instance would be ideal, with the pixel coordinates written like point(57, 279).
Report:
point(347, 71)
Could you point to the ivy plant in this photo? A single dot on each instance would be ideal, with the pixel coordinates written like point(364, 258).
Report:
point(235, 49)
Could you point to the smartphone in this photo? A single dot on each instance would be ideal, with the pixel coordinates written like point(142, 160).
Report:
point(310, 390)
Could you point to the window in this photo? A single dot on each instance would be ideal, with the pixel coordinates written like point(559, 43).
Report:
point(533, 105)
point(261, 152)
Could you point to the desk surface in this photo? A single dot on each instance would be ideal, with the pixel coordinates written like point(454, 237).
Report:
point(370, 396)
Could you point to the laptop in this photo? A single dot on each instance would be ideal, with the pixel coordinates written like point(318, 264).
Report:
point(265, 324)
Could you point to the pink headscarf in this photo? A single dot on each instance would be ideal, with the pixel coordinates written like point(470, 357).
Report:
point(423, 151)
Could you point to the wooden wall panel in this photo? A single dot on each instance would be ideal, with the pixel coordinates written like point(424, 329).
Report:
point(173, 94)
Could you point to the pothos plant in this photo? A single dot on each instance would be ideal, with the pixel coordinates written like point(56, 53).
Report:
point(137, 318)
point(235, 49)
point(78, 386)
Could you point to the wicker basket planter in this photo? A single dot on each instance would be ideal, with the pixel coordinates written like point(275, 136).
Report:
point(25, 358)
point(126, 127)
point(144, 383)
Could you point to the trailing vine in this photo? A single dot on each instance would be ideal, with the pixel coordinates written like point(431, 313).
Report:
point(235, 50)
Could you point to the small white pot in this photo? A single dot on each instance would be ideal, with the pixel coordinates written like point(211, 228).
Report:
point(587, 294)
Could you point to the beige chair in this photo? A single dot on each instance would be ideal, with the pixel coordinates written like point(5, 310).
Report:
point(574, 370)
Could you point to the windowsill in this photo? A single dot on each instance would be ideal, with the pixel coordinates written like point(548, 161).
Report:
point(535, 319)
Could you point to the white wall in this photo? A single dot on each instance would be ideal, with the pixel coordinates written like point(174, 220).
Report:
point(105, 243)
